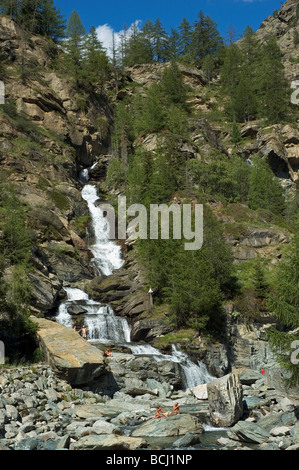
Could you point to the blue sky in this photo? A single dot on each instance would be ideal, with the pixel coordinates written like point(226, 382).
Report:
point(111, 15)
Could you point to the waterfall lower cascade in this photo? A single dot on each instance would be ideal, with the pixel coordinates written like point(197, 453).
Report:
point(103, 326)
point(195, 374)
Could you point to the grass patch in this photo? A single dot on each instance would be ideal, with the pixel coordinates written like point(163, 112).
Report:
point(179, 336)
point(79, 224)
point(60, 200)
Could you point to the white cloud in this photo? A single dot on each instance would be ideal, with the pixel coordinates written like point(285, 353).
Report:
point(105, 35)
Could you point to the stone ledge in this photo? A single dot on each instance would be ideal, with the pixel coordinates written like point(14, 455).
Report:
point(70, 356)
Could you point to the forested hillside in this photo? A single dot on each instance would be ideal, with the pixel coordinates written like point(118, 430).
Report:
point(183, 116)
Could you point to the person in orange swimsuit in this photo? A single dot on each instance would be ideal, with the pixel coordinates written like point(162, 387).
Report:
point(108, 353)
point(176, 409)
point(160, 413)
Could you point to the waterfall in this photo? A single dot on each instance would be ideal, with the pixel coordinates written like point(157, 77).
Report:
point(101, 322)
point(195, 374)
point(107, 254)
point(104, 326)
point(84, 176)
point(63, 317)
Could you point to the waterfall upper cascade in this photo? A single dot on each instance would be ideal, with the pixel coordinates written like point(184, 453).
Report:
point(102, 324)
point(107, 254)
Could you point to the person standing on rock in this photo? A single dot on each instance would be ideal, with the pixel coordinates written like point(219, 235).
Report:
point(84, 332)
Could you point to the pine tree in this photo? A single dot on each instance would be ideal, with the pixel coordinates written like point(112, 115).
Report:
point(185, 34)
point(243, 105)
point(265, 191)
point(75, 33)
point(236, 136)
point(284, 304)
point(274, 88)
point(95, 63)
point(10, 8)
point(230, 70)
point(195, 296)
point(208, 68)
point(138, 48)
point(149, 111)
point(259, 281)
point(36, 16)
point(205, 38)
point(173, 87)
point(160, 42)
point(172, 46)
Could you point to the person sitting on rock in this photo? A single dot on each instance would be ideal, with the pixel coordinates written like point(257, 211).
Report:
point(176, 409)
point(160, 413)
point(108, 353)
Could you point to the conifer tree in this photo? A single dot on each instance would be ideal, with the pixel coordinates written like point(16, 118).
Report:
point(75, 33)
point(265, 191)
point(284, 304)
point(185, 33)
point(173, 87)
point(138, 49)
point(236, 136)
point(274, 88)
point(205, 38)
point(172, 46)
point(95, 63)
point(36, 16)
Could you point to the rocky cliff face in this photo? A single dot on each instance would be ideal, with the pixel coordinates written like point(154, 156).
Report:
point(283, 24)
point(50, 130)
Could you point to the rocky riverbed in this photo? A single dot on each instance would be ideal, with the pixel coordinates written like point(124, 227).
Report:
point(40, 411)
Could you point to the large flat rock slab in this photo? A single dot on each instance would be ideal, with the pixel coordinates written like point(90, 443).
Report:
point(177, 425)
point(68, 354)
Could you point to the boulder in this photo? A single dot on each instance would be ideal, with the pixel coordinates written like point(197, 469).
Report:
point(147, 330)
point(108, 442)
point(248, 432)
point(177, 425)
point(201, 392)
point(189, 439)
point(225, 399)
point(45, 290)
point(249, 376)
point(69, 355)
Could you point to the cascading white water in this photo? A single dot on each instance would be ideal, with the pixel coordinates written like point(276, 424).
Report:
point(107, 254)
point(84, 176)
point(102, 324)
point(63, 317)
point(195, 374)
point(100, 320)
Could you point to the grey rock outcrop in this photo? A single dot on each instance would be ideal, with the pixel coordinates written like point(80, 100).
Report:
point(172, 426)
point(72, 357)
point(225, 400)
